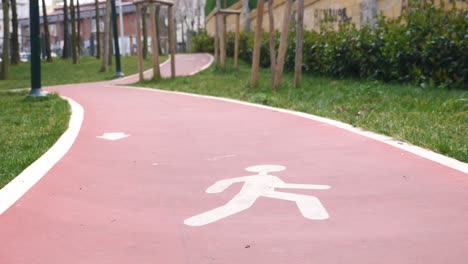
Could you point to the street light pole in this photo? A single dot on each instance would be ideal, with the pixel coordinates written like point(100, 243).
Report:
point(118, 69)
point(36, 88)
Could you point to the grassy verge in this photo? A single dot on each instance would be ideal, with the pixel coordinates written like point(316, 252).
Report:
point(63, 72)
point(436, 119)
point(28, 128)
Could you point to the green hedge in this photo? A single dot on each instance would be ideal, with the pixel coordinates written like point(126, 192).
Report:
point(424, 46)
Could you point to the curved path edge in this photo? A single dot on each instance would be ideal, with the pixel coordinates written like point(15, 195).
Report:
point(422, 152)
point(32, 174)
point(15, 189)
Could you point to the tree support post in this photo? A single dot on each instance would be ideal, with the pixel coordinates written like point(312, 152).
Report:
point(257, 43)
point(154, 44)
point(138, 41)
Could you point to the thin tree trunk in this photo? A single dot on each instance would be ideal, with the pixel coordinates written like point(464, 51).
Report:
point(144, 12)
point(257, 45)
point(272, 42)
point(182, 26)
point(221, 36)
point(111, 37)
point(216, 36)
point(78, 30)
point(6, 40)
point(154, 44)
point(198, 14)
point(73, 28)
point(46, 32)
point(299, 42)
point(157, 17)
point(283, 44)
point(236, 44)
point(138, 42)
point(65, 52)
point(246, 15)
point(15, 56)
point(98, 29)
point(105, 55)
point(222, 40)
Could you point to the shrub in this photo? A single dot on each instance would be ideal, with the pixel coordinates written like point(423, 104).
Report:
point(426, 45)
point(202, 42)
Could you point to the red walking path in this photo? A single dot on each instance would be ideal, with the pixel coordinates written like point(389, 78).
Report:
point(143, 198)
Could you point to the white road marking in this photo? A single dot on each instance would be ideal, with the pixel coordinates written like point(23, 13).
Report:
point(255, 186)
point(220, 157)
point(14, 190)
point(204, 67)
point(113, 136)
point(422, 152)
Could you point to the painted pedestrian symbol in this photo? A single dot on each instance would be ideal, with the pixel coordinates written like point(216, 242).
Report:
point(261, 185)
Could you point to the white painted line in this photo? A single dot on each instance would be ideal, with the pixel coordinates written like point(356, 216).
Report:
point(14, 190)
point(220, 157)
point(204, 67)
point(136, 74)
point(261, 185)
point(425, 153)
point(113, 136)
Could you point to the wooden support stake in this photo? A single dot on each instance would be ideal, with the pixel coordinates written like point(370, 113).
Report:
point(272, 43)
point(257, 43)
point(236, 45)
point(299, 42)
point(139, 43)
point(172, 40)
point(154, 44)
point(283, 44)
point(216, 40)
point(222, 42)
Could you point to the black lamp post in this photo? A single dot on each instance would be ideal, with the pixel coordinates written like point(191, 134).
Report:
point(36, 88)
point(118, 69)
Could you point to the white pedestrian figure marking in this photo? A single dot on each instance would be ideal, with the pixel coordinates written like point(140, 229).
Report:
point(255, 186)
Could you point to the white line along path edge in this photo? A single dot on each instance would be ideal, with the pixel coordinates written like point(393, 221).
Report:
point(204, 67)
point(422, 152)
point(14, 190)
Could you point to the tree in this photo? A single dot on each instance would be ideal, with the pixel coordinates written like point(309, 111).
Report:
point(144, 29)
point(157, 16)
point(46, 32)
point(272, 42)
point(6, 40)
point(246, 15)
point(73, 28)
point(283, 44)
point(15, 56)
point(78, 29)
point(65, 53)
point(220, 56)
point(98, 30)
point(257, 44)
point(369, 12)
point(186, 13)
point(107, 39)
point(299, 42)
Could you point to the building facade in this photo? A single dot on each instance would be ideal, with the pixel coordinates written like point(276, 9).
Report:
point(358, 12)
point(88, 27)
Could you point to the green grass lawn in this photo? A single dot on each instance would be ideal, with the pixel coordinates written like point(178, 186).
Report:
point(432, 118)
point(64, 72)
point(28, 126)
